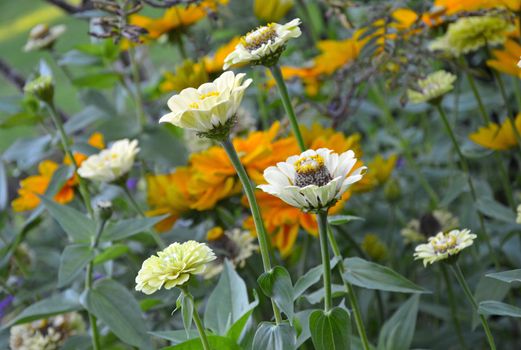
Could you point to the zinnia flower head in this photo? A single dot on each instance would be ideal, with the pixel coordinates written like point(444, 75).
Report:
point(444, 245)
point(264, 45)
point(173, 266)
point(48, 334)
point(42, 37)
point(211, 108)
point(468, 34)
point(42, 87)
point(432, 88)
point(112, 163)
point(313, 180)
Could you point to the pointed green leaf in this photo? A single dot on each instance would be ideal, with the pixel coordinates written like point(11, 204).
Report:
point(73, 260)
point(489, 207)
point(342, 219)
point(277, 285)
point(271, 336)
point(216, 343)
point(330, 330)
point(126, 228)
point(398, 331)
point(236, 330)
point(111, 253)
point(370, 275)
point(507, 276)
point(187, 311)
point(492, 307)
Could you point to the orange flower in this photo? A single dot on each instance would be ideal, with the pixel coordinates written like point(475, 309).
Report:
point(497, 137)
point(35, 185)
point(505, 59)
point(454, 6)
point(168, 194)
point(214, 65)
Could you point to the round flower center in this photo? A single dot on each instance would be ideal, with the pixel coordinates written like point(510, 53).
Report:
point(442, 245)
point(195, 105)
point(39, 32)
point(261, 36)
point(311, 171)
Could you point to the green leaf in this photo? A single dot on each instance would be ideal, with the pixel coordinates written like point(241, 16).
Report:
point(216, 343)
point(126, 228)
point(111, 253)
point(271, 336)
point(73, 260)
point(489, 207)
point(78, 227)
point(370, 275)
point(492, 307)
point(330, 330)
point(488, 289)
point(103, 80)
point(176, 337)
point(507, 276)
point(113, 304)
point(55, 305)
point(236, 330)
point(316, 297)
point(228, 301)
point(342, 219)
point(398, 331)
point(4, 193)
point(187, 311)
point(277, 285)
point(310, 278)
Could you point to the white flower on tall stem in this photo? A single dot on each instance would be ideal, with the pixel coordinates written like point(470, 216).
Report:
point(444, 245)
point(112, 163)
point(263, 45)
point(210, 107)
point(313, 180)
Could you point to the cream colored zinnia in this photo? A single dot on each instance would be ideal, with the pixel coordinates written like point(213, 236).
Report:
point(468, 34)
point(210, 106)
point(313, 180)
point(432, 88)
point(173, 266)
point(263, 45)
point(43, 37)
point(444, 245)
point(112, 163)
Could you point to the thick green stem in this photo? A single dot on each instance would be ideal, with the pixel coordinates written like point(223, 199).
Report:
point(137, 208)
point(466, 170)
point(406, 149)
point(283, 91)
point(324, 248)
point(88, 285)
point(452, 305)
point(197, 321)
point(474, 89)
point(255, 211)
point(141, 117)
point(461, 279)
point(84, 192)
point(350, 293)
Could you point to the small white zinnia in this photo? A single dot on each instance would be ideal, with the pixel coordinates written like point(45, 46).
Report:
point(444, 245)
point(263, 45)
point(210, 106)
point(112, 163)
point(173, 266)
point(313, 180)
point(43, 37)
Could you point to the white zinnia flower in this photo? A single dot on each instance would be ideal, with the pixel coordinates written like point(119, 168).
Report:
point(264, 44)
point(43, 37)
point(210, 106)
point(444, 245)
point(313, 180)
point(112, 163)
point(173, 266)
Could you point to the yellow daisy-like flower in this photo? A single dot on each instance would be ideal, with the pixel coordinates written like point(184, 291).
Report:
point(497, 137)
point(432, 88)
point(454, 6)
point(272, 10)
point(379, 171)
point(188, 74)
point(506, 59)
point(444, 245)
point(374, 247)
point(468, 34)
point(173, 266)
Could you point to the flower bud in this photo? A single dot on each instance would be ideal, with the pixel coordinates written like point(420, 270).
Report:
point(104, 210)
point(41, 87)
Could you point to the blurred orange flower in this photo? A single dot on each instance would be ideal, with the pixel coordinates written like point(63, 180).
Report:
point(454, 6)
point(214, 64)
point(35, 185)
point(497, 137)
point(505, 59)
point(379, 170)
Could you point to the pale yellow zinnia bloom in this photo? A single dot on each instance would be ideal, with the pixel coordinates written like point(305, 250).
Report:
point(173, 266)
point(432, 88)
point(444, 245)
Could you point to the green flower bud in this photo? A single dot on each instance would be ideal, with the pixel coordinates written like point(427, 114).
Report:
point(41, 87)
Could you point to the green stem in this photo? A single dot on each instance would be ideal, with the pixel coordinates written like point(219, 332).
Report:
point(461, 279)
point(84, 192)
point(88, 285)
point(465, 168)
point(197, 321)
point(452, 305)
point(283, 91)
point(474, 89)
point(350, 293)
point(261, 102)
point(255, 211)
point(141, 118)
point(138, 209)
point(324, 248)
point(406, 149)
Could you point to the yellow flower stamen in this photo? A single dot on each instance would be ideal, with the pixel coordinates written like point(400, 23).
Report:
point(444, 244)
point(309, 164)
point(193, 105)
point(258, 37)
point(208, 94)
